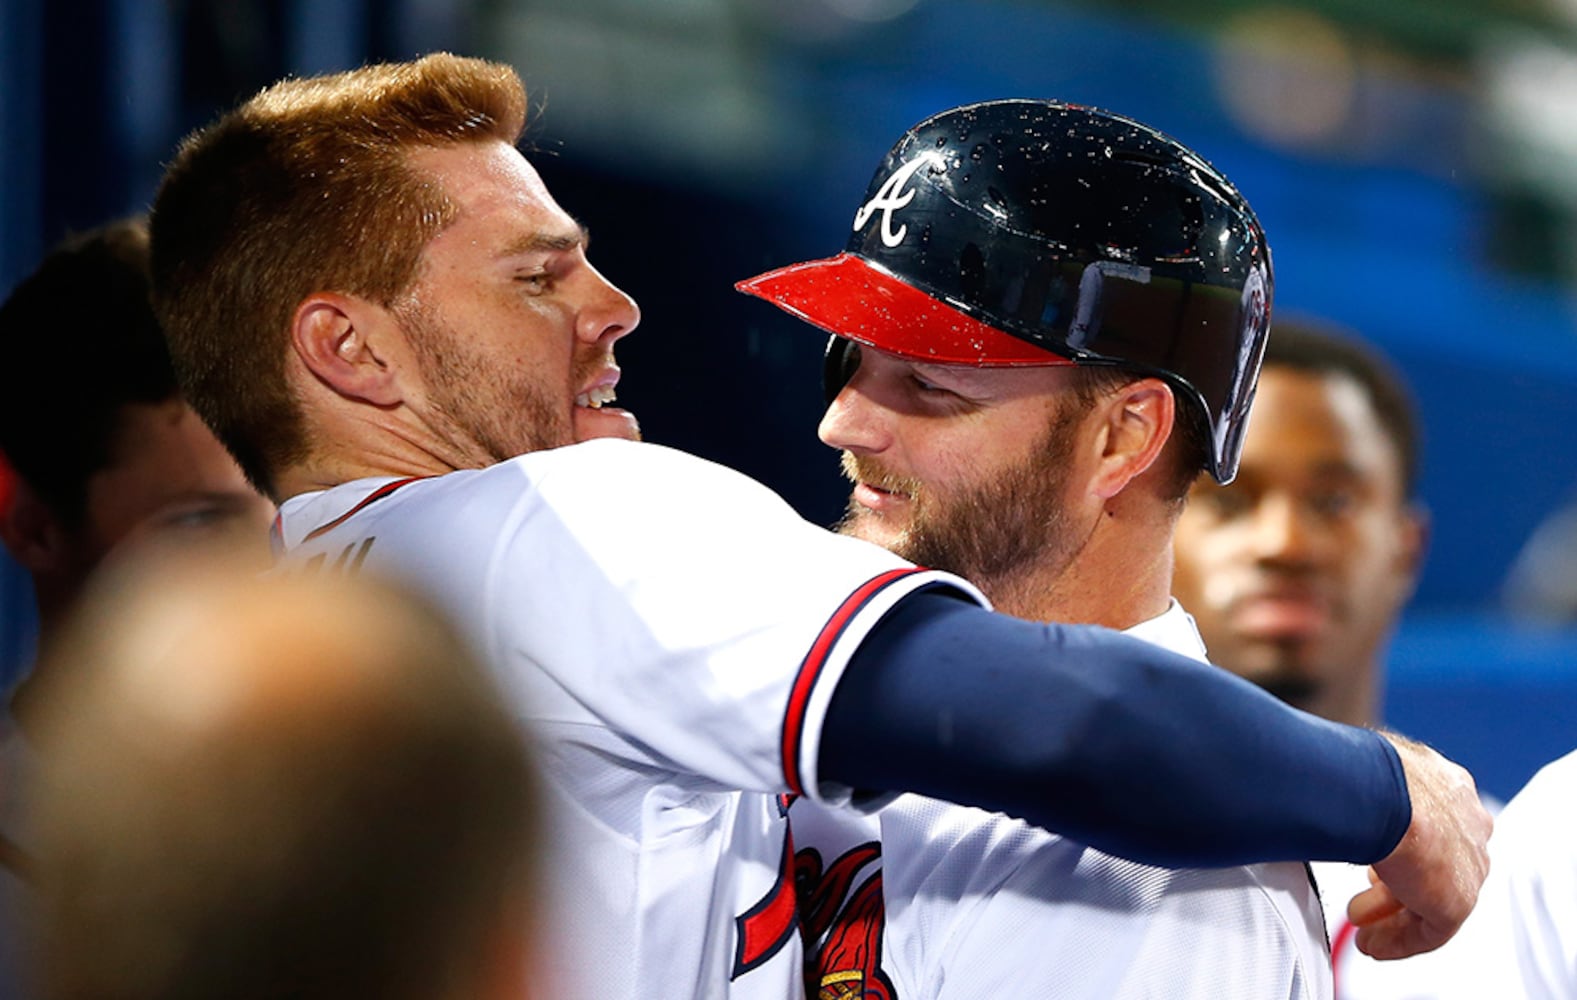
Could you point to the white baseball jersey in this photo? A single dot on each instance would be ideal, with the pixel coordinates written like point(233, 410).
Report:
point(1521, 940)
point(1356, 975)
point(671, 632)
point(979, 905)
point(1533, 902)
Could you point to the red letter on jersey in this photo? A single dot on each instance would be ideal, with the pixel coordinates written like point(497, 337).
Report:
point(767, 927)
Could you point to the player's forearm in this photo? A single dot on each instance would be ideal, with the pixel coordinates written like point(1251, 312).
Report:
point(1106, 739)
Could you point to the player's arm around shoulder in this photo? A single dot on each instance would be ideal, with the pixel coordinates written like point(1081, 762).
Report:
point(1427, 886)
point(687, 585)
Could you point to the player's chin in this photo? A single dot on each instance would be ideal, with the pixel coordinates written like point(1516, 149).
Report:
point(605, 422)
point(860, 523)
point(1288, 678)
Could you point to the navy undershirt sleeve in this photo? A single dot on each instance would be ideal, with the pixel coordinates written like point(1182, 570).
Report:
point(1105, 739)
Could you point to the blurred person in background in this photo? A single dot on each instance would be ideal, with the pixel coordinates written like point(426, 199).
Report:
point(283, 786)
point(1541, 585)
point(101, 456)
point(1297, 572)
point(102, 450)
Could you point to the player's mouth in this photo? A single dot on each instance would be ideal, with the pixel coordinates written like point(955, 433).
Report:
point(877, 499)
point(1283, 614)
point(597, 396)
point(593, 415)
point(875, 488)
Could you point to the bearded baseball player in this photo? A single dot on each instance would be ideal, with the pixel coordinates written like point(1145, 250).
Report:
point(387, 318)
point(1034, 424)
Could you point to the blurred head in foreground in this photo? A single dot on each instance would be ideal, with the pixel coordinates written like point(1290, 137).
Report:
point(285, 787)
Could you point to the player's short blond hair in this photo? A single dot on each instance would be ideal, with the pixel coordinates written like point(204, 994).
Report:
point(305, 188)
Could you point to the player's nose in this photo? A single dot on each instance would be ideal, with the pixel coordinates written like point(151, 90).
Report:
point(1281, 531)
point(853, 423)
point(610, 314)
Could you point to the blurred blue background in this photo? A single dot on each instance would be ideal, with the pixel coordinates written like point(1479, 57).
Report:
point(1414, 162)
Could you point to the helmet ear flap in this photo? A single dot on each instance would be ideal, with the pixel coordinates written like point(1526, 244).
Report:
point(838, 365)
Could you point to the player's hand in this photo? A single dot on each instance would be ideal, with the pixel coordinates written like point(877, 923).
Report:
point(1427, 886)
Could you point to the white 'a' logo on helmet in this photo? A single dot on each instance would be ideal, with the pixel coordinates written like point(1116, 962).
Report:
point(891, 196)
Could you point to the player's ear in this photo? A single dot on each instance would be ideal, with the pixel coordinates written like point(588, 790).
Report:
point(1412, 539)
point(345, 341)
point(34, 536)
point(1136, 419)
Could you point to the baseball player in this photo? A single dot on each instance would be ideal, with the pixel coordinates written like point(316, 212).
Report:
point(1298, 571)
point(1033, 424)
point(380, 309)
point(1522, 939)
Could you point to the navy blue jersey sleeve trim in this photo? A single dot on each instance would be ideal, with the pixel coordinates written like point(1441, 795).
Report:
point(1105, 739)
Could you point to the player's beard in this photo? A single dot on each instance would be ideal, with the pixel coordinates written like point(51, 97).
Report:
point(994, 531)
point(1297, 671)
point(472, 400)
point(1299, 692)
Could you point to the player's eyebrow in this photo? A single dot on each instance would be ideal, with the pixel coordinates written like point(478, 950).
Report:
point(1338, 468)
point(936, 368)
point(949, 375)
point(540, 242)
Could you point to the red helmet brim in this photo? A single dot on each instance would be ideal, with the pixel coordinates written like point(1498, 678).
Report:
point(848, 296)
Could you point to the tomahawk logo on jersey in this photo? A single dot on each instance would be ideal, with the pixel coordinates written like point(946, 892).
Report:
point(843, 922)
point(839, 917)
point(650, 695)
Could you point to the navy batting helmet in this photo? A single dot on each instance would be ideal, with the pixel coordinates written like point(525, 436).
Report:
point(1027, 232)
